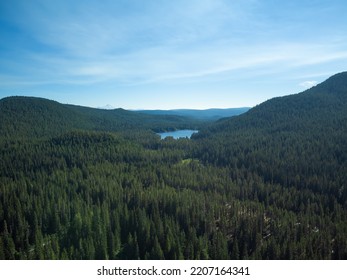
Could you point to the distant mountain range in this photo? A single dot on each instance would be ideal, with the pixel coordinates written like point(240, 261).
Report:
point(322, 106)
point(31, 116)
point(208, 114)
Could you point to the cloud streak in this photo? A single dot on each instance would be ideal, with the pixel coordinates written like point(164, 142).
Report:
point(134, 43)
point(308, 84)
point(167, 64)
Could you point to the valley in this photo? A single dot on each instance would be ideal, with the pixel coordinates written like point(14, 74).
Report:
point(83, 183)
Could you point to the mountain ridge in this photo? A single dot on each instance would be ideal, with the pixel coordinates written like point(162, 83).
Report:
point(296, 140)
point(38, 117)
point(314, 104)
point(210, 114)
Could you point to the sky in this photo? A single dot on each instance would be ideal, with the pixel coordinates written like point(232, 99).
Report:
point(164, 54)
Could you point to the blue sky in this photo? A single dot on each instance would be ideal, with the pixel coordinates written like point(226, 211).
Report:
point(166, 54)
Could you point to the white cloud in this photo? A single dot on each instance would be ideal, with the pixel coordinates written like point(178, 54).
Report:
point(154, 43)
point(308, 84)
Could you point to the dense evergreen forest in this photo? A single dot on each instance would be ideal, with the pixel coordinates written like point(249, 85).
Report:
point(29, 117)
point(81, 183)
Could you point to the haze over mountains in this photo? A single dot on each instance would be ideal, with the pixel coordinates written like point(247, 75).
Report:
point(201, 114)
point(320, 104)
point(208, 114)
point(83, 183)
point(39, 116)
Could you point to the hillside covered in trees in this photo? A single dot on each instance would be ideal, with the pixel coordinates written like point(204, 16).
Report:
point(81, 183)
point(31, 117)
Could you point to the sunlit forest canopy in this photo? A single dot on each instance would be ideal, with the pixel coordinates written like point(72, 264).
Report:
point(82, 183)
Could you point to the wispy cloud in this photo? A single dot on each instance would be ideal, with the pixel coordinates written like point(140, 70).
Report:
point(132, 43)
point(166, 63)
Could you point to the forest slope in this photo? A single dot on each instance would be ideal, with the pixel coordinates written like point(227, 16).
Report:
point(296, 140)
point(37, 117)
point(323, 105)
point(269, 184)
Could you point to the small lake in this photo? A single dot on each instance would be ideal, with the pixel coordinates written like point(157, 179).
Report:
point(186, 133)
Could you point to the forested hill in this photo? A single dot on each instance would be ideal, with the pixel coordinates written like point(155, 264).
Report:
point(297, 140)
point(37, 117)
point(269, 184)
point(323, 105)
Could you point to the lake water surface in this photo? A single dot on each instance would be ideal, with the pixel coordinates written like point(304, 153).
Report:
point(186, 133)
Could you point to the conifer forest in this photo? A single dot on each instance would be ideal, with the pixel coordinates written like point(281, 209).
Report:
point(82, 183)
